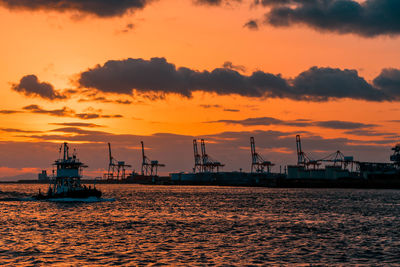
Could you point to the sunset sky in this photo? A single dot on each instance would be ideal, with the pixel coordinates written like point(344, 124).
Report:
point(165, 72)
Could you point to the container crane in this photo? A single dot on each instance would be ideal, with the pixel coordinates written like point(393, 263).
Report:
point(338, 159)
point(258, 164)
point(149, 167)
point(302, 158)
point(198, 167)
point(209, 165)
point(116, 169)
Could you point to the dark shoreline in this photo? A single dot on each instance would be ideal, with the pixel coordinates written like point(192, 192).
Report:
point(393, 183)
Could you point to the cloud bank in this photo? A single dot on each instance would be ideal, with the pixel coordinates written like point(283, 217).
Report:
point(158, 76)
point(100, 8)
point(65, 112)
point(367, 18)
point(331, 124)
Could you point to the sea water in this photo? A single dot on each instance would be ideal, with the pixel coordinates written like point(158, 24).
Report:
point(201, 225)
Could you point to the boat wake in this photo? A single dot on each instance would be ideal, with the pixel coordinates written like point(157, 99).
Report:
point(63, 200)
point(87, 200)
point(14, 196)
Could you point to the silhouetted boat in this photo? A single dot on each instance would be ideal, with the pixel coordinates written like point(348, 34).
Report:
point(67, 182)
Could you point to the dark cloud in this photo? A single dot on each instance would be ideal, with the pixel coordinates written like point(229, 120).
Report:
point(367, 18)
point(4, 111)
point(103, 99)
point(137, 76)
point(229, 65)
point(266, 121)
point(76, 130)
point(125, 75)
point(29, 85)
point(366, 132)
point(100, 8)
point(13, 130)
point(215, 2)
point(211, 106)
point(67, 112)
point(389, 81)
point(231, 110)
point(77, 124)
point(127, 28)
point(251, 24)
point(112, 116)
point(320, 84)
point(209, 2)
point(220, 107)
point(64, 112)
point(88, 116)
point(343, 125)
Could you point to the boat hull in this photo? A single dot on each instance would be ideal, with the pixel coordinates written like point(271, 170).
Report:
point(71, 194)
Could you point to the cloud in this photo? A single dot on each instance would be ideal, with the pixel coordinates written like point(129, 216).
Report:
point(209, 2)
point(251, 24)
point(343, 125)
point(122, 76)
point(231, 110)
point(366, 132)
point(29, 85)
point(102, 99)
point(13, 130)
point(4, 111)
point(77, 124)
point(88, 116)
point(128, 27)
point(210, 106)
point(215, 2)
point(320, 84)
point(76, 130)
point(389, 81)
point(100, 8)
point(64, 112)
point(137, 76)
point(266, 121)
point(67, 112)
point(367, 18)
point(229, 65)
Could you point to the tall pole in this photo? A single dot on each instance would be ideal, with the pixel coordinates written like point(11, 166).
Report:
point(109, 153)
point(65, 150)
point(197, 163)
point(253, 154)
point(300, 159)
point(143, 158)
point(110, 163)
point(203, 155)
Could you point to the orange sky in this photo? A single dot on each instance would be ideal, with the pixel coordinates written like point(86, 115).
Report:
point(57, 47)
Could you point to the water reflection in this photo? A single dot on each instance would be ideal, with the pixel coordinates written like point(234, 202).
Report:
point(202, 225)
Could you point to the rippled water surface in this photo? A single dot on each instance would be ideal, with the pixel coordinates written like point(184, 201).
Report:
point(186, 225)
